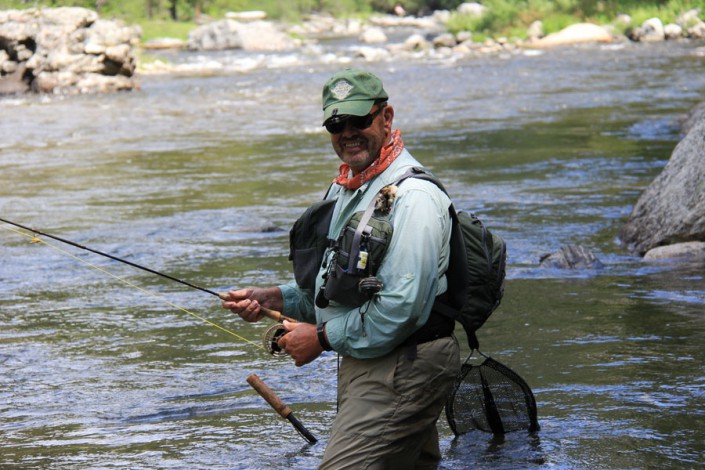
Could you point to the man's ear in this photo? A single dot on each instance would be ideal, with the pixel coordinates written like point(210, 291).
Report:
point(388, 114)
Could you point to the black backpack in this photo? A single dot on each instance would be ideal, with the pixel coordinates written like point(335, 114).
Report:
point(476, 268)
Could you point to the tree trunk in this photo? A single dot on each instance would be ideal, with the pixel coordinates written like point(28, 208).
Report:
point(172, 10)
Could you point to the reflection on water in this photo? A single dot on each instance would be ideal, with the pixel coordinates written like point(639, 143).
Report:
point(201, 177)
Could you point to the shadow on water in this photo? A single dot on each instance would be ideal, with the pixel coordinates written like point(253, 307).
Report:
point(195, 410)
point(482, 450)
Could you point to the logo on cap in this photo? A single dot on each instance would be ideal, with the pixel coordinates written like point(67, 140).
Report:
point(341, 90)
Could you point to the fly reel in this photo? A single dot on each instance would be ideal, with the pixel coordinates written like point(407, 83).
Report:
point(271, 338)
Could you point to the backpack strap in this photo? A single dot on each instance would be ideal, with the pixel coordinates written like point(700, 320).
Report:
point(450, 303)
point(362, 229)
point(421, 173)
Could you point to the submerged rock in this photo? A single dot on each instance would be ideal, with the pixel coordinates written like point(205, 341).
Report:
point(692, 251)
point(571, 257)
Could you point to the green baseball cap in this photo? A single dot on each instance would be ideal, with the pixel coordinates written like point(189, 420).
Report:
point(351, 91)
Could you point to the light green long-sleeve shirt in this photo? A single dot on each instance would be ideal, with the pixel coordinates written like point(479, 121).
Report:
point(411, 272)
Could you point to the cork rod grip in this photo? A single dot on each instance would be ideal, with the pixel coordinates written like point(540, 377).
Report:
point(271, 397)
point(274, 315)
point(267, 312)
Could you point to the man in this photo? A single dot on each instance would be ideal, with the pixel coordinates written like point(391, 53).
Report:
point(399, 360)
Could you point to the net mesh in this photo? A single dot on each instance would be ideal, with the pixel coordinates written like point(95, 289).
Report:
point(491, 397)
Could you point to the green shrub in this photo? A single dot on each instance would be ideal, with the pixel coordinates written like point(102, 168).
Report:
point(556, 22)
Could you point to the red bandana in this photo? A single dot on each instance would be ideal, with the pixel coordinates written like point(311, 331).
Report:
point(388, 154)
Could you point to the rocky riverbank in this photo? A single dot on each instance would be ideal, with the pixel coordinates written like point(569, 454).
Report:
point(385, 37)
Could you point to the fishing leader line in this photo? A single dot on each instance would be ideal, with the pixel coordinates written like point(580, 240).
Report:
point(35, 239)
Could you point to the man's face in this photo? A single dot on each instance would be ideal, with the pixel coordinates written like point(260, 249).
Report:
point(360, 147)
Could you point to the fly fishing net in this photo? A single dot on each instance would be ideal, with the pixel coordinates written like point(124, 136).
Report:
point(490, 397)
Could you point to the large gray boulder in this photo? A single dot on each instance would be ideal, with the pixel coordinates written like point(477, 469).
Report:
point(672, 208)
point(231, 34)
point(65, 50)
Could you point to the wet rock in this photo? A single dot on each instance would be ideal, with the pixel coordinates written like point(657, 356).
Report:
point(371, 54)
point(692, 251)
point(416, 42)
point(65, 50)
point(571, 257)
point(444, 40)
point(650, 30)
point(12, 80)
point(535, 31)
point(574, 34)
point(373, 35)
point(672, 31)
point(692, 25)
point(672, 208)
point(697, 31)
point(321, 25)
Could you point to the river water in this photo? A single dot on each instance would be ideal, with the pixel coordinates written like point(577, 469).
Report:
point(200, 176)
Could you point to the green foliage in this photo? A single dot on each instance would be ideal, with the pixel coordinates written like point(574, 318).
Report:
point(125, 9)
point(668, 11)
point(500, 16)
point(457, 23)
point(557, 21)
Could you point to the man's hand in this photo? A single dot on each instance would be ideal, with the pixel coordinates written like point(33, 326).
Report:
point(246, 302)
point(300, 342)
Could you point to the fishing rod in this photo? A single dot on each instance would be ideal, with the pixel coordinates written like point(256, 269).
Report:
point(270, 339)
point(273, 314)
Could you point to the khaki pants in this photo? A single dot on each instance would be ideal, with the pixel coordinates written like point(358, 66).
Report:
point(388, 408)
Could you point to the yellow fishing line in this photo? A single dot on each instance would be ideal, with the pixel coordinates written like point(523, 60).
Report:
point(35, 239)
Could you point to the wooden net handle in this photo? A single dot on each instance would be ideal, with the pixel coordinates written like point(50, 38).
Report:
point(271, 397)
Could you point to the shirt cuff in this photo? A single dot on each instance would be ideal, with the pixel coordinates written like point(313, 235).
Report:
point(335, 331)
point(290, 299)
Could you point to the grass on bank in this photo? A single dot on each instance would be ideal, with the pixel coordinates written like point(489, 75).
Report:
point(153, 29)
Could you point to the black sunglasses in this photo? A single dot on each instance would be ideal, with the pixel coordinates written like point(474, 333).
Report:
point(336, 124)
